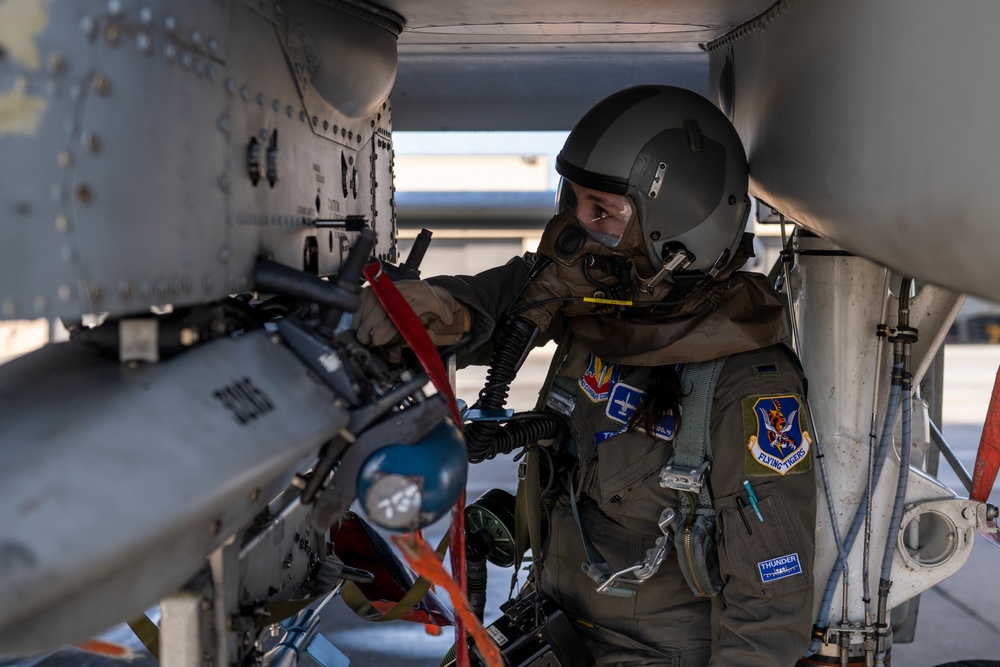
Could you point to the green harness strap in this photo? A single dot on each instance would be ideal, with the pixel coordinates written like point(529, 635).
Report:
point(360, 605)
point(687, 469)
point(528, 503)
point(148, 634)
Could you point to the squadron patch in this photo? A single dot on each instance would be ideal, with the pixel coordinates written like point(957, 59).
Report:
point(599, 379)
point(777, 436)
point(622, 405)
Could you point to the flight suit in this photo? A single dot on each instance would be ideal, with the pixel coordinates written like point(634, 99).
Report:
point(619, 499)
point(763, 615)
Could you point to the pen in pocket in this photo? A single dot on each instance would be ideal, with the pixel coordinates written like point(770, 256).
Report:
point(753, 500)
point(740, 506)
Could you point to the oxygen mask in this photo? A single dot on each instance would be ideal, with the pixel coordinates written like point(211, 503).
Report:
point(599, 262)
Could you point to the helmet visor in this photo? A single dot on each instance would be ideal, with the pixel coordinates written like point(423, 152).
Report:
point(605, 216)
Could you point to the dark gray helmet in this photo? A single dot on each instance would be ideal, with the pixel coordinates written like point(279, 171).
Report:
point(681, 162)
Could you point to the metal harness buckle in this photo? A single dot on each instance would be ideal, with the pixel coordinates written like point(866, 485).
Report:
point(683, 479)
point(561, 402)
point(618, 583)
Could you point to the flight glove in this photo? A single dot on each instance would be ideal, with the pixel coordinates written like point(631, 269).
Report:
point(445, 318)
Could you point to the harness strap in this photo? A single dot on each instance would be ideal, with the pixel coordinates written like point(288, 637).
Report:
point(692, 446)
point(528, 505)
point(148, 634)
point(361, 606)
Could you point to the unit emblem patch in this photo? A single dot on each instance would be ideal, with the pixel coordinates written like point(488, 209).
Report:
point(778, 439)
point(622, 405)
point(599, 379)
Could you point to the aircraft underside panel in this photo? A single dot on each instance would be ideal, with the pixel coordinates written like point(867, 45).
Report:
point(137, 474)
point(874, 125)
point(153, 152)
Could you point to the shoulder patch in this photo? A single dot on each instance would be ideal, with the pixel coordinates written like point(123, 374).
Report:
point(599, 379)
point(623, 403)
point(776, 435)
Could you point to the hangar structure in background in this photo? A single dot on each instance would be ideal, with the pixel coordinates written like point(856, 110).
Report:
point(167, 163)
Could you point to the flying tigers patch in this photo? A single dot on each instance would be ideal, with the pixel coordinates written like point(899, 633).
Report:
point(599, 379)
point(776, 434)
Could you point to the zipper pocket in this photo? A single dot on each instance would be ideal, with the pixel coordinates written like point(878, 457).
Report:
point(618, 497)
point(690, 557)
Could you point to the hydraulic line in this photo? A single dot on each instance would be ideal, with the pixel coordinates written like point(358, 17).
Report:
point(885, 581)
point(852, 533)
point(881, 334)
point(824, 475)
point(904, 338)
point(786, 259)
point(842, 549)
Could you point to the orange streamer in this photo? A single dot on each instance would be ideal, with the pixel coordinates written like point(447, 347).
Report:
point(107, 649)
point(424, 562)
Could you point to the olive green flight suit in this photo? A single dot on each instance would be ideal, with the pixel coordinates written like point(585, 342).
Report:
point(753, 622)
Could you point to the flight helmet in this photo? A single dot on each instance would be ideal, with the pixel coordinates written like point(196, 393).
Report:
point(679, 160)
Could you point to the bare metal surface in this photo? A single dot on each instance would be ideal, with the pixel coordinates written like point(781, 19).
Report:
point(119, 500)
point(137, 188)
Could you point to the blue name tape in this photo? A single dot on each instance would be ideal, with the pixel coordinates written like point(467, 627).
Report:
point(779, 568)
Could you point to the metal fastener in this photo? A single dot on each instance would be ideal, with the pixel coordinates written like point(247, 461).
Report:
point(101, 84)
point(57, 63)
point(83, 193)
point(88, 26)
point(92, 142)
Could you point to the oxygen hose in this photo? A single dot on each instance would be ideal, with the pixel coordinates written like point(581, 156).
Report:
point(487, 439)
point(477, 546)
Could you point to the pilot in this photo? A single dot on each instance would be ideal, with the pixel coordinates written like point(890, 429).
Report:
point(686, 422)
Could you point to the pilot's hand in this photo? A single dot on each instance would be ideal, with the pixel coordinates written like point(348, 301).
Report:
point(445, 318)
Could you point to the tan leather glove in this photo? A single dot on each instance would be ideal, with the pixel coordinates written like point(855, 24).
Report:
point(445, 318)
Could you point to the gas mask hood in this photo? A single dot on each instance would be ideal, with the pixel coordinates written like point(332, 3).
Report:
point(605, 293)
